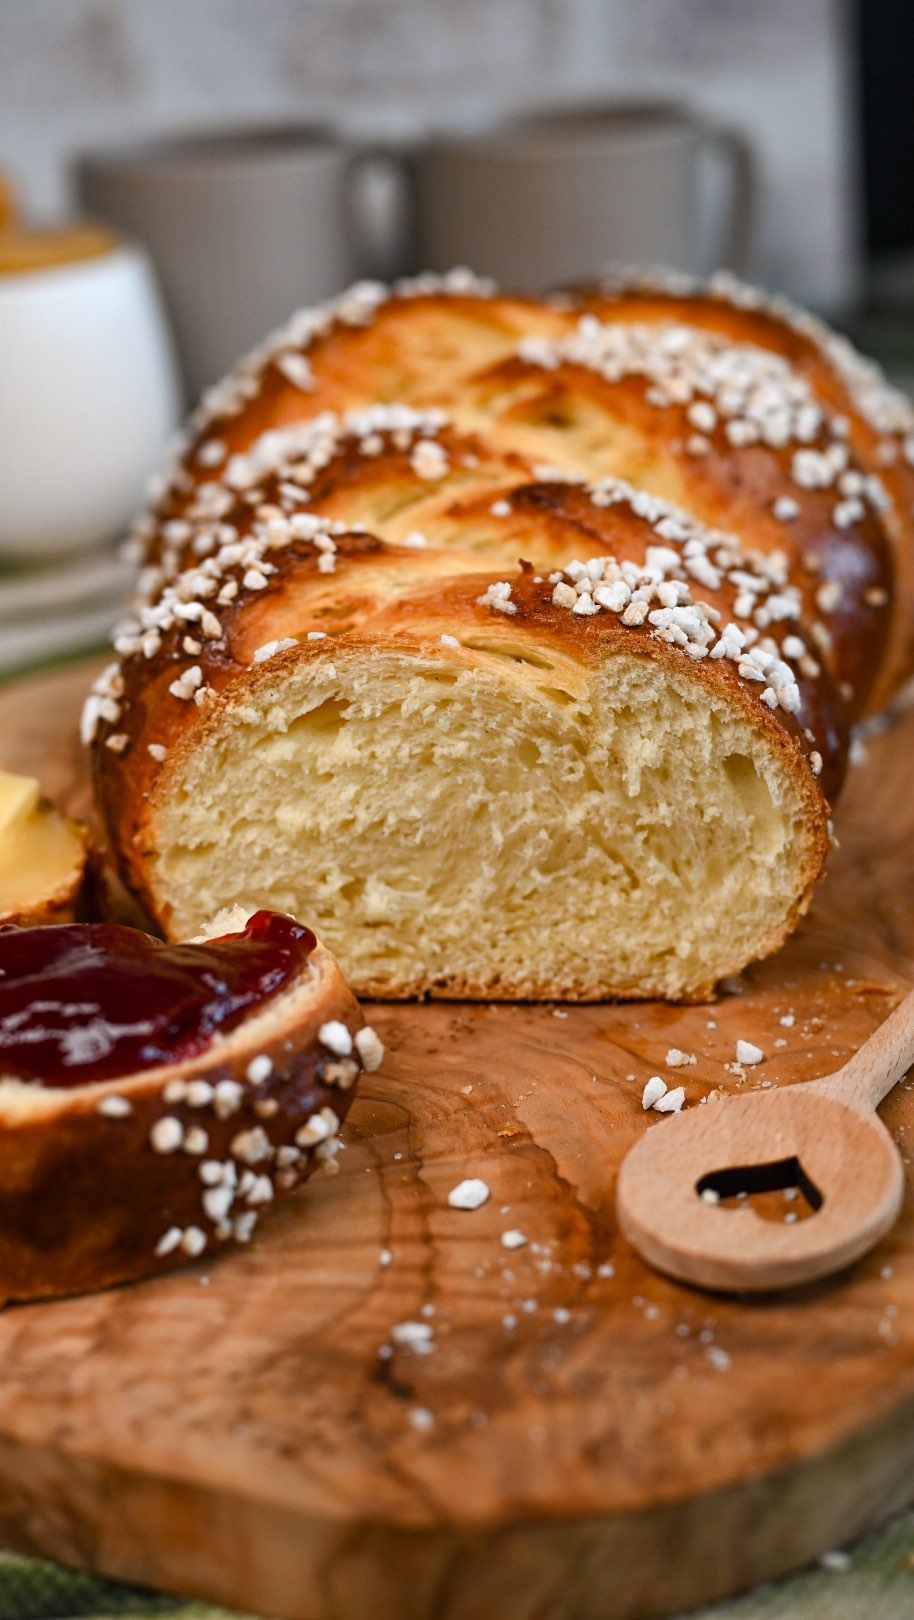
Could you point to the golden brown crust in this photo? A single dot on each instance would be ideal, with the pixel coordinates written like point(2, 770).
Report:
point(87, 1198)
point(520, 372)
point(880, 421)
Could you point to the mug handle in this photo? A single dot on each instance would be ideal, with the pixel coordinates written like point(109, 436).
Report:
point(737, 154)
point(382, 232)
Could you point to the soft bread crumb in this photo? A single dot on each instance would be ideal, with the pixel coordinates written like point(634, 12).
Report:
point(679, 862)
point(229, 920)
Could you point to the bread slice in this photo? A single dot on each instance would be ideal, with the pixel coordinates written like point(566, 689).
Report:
point(576, 822)
point(544, 784)
point(122, 1178)
point(515, 640)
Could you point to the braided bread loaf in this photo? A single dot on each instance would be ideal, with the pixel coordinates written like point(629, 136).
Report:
point(514, 643)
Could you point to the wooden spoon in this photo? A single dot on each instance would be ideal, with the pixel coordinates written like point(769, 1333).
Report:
point(822, 1136)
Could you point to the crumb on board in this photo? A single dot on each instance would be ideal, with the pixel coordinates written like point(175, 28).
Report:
point(469, 1194)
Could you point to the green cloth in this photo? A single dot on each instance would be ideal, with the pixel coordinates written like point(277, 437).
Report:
point(33, 1589)
point(876, 1584)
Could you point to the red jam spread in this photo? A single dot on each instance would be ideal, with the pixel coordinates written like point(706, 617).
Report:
point(90, 1002)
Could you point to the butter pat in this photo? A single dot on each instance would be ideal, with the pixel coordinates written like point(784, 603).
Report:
point(42, 856)
point(19, 797)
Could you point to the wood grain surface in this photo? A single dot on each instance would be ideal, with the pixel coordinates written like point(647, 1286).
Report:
point(583, 1440)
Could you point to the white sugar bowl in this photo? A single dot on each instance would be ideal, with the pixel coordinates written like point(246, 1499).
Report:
point(89, 389)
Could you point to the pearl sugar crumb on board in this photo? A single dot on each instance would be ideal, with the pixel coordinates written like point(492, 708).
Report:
point(675, 1059)
point(513, 1239)
point(671, 1102)
point(653, 1091)
point(469, 1194)
point(748, 1053)
point(415, 1336)
point(370, 1049)
point(657, 1095)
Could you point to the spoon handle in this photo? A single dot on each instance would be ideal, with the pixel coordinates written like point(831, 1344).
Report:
point(879, 1063)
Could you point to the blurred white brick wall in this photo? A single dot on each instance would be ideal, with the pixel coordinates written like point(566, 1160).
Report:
point(77, 73)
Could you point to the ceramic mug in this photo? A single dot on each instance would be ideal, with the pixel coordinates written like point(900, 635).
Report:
point(89, 394)
point(243, 226)
point(557, 196)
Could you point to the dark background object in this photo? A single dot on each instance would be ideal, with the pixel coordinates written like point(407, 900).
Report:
point(883, 64)
point(885, 57)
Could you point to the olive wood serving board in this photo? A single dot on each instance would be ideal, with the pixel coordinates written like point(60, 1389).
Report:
point(585, 1440)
